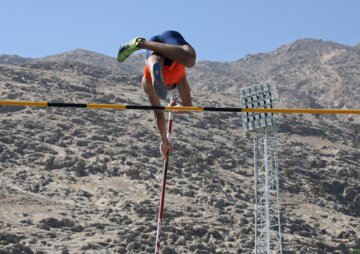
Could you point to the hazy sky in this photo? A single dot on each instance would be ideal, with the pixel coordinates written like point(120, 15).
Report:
point(220, 30)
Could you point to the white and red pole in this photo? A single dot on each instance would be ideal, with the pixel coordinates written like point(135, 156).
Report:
point(163, 187)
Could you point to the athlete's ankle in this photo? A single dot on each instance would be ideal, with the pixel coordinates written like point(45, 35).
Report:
point(140, 43)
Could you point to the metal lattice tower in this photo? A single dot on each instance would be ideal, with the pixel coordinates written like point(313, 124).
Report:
point(266, 167)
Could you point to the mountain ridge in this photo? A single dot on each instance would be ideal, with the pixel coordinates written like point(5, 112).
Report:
point(307, 72)
point(295, 68)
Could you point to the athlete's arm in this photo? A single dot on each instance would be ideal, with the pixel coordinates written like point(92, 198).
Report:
point(184, 92)
point(159, 117)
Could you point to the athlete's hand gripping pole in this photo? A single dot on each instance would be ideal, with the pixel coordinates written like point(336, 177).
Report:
point(163, 186)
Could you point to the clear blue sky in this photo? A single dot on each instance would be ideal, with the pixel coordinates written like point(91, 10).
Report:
point(220, 30)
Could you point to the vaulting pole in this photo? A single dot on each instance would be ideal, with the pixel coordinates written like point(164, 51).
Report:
point(163, 187)
point(181, 108)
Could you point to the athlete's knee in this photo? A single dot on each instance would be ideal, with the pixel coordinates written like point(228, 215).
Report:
point(190, 56)
point(155, 58)
point(191, 62)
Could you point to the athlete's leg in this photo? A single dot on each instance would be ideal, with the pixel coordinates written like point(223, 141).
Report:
point(170, 44)
point(155, 63)
point(153, 59)
point(184, 54)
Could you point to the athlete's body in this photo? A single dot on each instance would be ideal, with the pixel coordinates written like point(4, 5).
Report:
point(167, 56)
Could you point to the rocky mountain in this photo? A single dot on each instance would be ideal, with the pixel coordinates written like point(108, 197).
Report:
point(88, 181)
point(133, 66)
point(14, 59)
point(308, 73)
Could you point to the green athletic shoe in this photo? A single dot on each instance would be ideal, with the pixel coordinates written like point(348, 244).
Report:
point(128, 48)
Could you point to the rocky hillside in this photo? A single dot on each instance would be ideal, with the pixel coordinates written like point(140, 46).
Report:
point(133, 66)
point(14, 59)
point(88, 181)
point(308, 73)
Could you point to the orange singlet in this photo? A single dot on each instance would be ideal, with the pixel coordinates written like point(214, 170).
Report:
point(171, 74)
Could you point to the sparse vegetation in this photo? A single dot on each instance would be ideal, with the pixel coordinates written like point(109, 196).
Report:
point(317, 225)
point(316, 191)
point(356, 132)
point(288, 172)
point(197, 159)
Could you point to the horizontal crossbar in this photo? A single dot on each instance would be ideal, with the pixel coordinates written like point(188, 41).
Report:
point(179, 108)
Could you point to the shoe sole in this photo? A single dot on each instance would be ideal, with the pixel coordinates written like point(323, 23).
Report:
point(126, 50)
point(159, 86)
point(124, 53)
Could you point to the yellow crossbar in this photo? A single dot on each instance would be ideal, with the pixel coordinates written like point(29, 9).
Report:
point(181, 108)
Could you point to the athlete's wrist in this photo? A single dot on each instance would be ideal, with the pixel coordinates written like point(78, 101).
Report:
point(164, 140)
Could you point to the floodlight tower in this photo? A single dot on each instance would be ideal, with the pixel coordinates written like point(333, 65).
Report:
point(266, 167)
